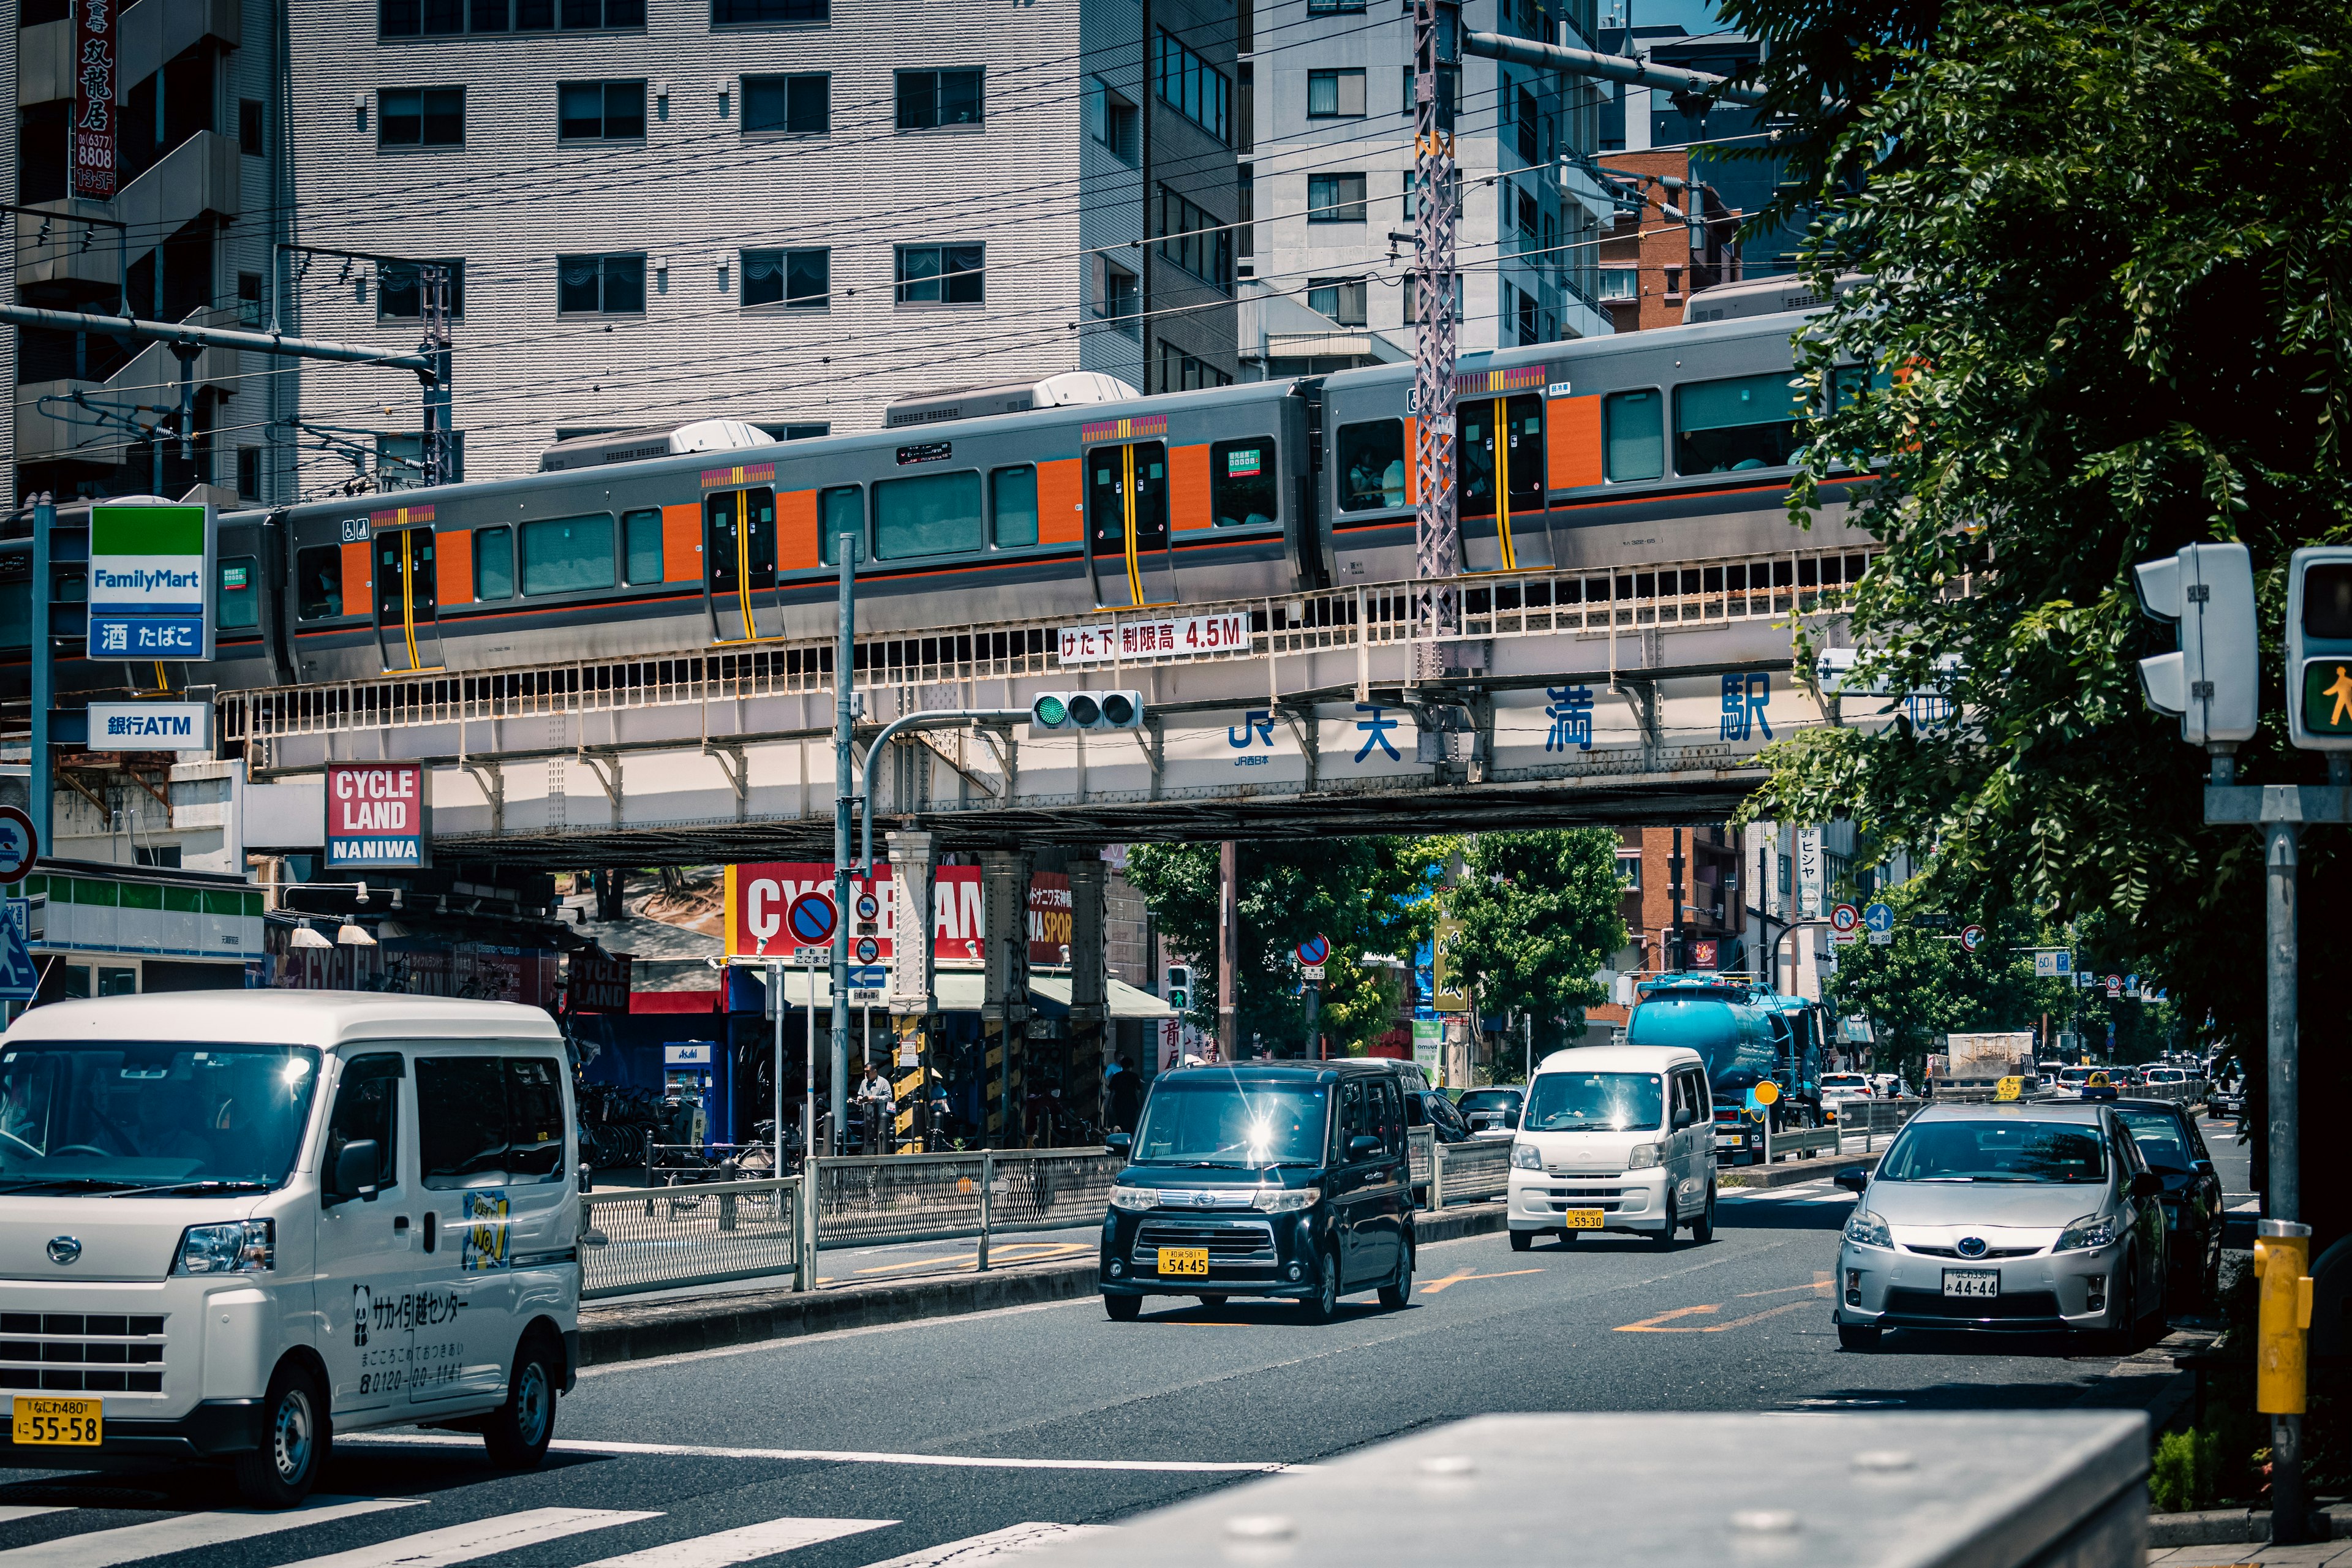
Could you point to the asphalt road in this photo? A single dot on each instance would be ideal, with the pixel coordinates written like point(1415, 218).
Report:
point(889, 1444)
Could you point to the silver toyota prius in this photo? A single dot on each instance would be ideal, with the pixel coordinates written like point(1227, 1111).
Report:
point(2017, 1216)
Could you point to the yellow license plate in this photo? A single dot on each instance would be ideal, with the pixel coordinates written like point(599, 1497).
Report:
point(1184, 1260)
point(1581, 1219)
point(68, 1422)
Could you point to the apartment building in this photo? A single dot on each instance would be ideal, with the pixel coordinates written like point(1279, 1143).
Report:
point(1674, 237)
point(1329, 185)
point(143, 136)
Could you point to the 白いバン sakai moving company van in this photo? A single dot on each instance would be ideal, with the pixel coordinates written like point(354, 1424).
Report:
point(235, 1223)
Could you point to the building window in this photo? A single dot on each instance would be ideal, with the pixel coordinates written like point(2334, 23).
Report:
point(600, 285)
point(1530, 214)
point(1116, 122)
point(249, 127)
point(1195, 240)
point(1633, 445)
point(249, 473)
point(1335, 95)
point(929, 99)
point(1629, 869)
point(767, 13)
point(1244, 210)
point(1335, 198)
point(1530, 147)
point(1120, 298)
point(787, 105)
point(1620, 283)
point(1181, 371)
point(601, 111)
point(420, 116)
point(1194, 87)
point(446, 18)
point(797, 280)
point(1342, 299)
point(248, 299)
point(1526, 311)
point(398, 297)
point(941, 274)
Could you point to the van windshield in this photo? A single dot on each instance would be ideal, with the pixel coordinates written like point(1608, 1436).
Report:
point(1210, 1118)
point(1594, 1102)
point(135, 1116)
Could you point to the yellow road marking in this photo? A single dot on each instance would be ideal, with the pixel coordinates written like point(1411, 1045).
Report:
point(1651, 1325)
point(1820, 1282)
point(1664, 1322)
point(1434, 1286)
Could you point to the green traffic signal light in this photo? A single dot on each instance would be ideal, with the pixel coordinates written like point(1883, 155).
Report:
point(1050, 712)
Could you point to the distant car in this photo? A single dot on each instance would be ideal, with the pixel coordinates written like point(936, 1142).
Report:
point(1492, 1112)
point(2225, 1099)
point(1428, 1107)
point(1839, 1088)
point(2169, 1141)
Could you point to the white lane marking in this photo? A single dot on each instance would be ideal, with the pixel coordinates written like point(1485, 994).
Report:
point(131, 1542)
point(829, 1337)
point(843, 1456)
point(748, 1545)
point(1012, 1540)
point(475, 1538)
point(12, 1512)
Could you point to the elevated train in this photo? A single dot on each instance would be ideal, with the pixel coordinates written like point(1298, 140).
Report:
point(1669, 445)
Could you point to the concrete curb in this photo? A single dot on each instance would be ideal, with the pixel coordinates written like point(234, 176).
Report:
point(1789, 1172)
point(2230, 1527)
point(620, 1332)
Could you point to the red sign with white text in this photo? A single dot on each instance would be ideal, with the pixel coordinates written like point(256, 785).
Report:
point(758, 897)
point(376, 816)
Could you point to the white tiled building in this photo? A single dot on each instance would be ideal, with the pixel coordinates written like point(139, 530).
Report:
point(1330, 173)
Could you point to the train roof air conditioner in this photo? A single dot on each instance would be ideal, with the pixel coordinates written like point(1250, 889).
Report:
point(655, 441)
point(1068, 389)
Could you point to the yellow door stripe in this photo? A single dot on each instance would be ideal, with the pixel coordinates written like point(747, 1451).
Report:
point(1503, 484)
point(743, 560)
point(1134, 569)
point(408, 594)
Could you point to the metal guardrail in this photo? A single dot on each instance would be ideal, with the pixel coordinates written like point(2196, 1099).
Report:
point(933, 1198)
point(658, 1237)
point(1465, 1173)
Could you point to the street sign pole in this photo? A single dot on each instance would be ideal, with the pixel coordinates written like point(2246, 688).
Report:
point(45, 523)
point(844, 657)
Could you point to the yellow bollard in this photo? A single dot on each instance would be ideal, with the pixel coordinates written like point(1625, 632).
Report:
point(2283, 1280)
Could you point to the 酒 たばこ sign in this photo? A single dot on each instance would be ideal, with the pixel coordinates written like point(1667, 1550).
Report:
point(151, 568)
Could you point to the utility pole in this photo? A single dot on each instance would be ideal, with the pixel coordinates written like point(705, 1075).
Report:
point(845, 710)
point(1437, 539)
point(1227, 871)
point(45, 523)
point(1672, 958)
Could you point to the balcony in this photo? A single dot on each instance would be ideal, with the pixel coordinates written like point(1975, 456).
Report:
point(152, 376)
point(150, 35)
point(202, 174)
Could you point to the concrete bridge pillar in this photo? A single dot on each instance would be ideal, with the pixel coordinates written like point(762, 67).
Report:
point(1089, 1009)
point(1004, 997)
point(914, 998)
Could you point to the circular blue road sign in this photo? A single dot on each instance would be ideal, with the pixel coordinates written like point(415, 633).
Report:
point(812, 919)
point(1315, 948)
point(1879, 917)
point(868, 949)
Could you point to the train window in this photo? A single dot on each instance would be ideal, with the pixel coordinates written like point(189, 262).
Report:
point(1742, 422)
point(494, 563)
point(1634, 447)
point(240, 593)
point(1847, 381)
point(931, 515)
point(319, 578)
point(841, 510)
point(567, 555)
point(1015, 506)
point(1371, 465)
point(641, 546)
point(1242, 486)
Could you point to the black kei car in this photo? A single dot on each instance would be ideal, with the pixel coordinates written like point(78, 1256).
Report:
point(1265, 1179)
point(2169, 1141)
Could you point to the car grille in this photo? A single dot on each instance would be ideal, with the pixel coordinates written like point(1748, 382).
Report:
point(1973, 1309)
point(1238, 1244)
point(72, 1352)
point(1989, 1254)
point(1603, 1198)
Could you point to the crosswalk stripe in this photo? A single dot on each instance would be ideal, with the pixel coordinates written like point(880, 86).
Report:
point(748, 1545)
point(476, 1538)
point(848, 1456)
point(131, 1542)
point(1012, 1540)
point(11, 1513)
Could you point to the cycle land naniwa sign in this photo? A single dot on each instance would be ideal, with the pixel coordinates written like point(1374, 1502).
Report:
point(151, 582)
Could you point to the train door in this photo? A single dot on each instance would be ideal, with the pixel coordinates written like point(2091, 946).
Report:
point(739, 554)
point(407, 599)
point(1502, 460)
point(1127, 525)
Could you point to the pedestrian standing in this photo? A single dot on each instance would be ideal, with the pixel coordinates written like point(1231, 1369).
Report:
point(1124, 1094)
point(874, 1102)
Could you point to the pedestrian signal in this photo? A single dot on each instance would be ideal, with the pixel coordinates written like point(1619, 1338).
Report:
point(2319, 649)
point(2212, 685)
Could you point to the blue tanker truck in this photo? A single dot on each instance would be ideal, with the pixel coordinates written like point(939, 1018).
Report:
point(1747, 1035)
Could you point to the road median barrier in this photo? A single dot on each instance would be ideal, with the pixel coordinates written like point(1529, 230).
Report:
point(1789, 1175)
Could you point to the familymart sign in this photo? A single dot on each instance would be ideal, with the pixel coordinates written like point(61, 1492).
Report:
point(150, 575)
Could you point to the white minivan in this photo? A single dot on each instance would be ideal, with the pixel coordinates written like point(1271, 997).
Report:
point(235, 1223)
point(1614, 1138)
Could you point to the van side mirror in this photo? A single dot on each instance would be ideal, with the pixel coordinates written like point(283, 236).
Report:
point(1363, 1147)
point(354, 1176)
point(1684, 1118)
point(1118, 1143)
point(1854, 1180)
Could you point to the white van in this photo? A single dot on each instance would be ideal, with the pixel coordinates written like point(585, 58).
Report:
point(235, 1223)
point(1614, 1138)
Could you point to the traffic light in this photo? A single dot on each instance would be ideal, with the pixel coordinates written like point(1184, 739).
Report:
point(1060, 712)
point(2319, 649)
point(1180, 987)
point(2213, 685)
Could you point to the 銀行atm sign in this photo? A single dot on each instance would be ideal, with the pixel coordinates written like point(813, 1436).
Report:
point(376, 815)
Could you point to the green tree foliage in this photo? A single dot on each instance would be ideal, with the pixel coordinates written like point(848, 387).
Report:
point(2105, 298)
point(1359, 892)
point(1540, 914)
point(1921, 985)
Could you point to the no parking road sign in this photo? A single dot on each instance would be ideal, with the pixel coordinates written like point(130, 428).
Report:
point(812, 919)
point(1314, 950)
